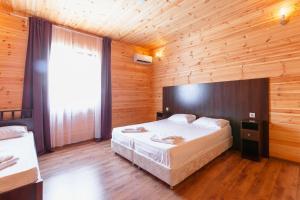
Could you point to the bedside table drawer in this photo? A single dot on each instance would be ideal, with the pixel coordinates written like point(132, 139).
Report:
point(250, 135)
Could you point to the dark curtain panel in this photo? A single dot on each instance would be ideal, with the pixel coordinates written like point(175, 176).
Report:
point(35, 93)
point(106, 105)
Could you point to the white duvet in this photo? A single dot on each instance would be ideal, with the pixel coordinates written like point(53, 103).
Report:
point(196, 140)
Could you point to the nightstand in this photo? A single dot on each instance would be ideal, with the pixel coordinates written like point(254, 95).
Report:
point(251, 139)
point(161, 115)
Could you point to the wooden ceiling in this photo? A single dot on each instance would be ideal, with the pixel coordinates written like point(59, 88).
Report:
point(149, 23)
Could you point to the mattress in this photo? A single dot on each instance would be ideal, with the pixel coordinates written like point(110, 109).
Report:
point(26, 170)
point(175, 176)
point(197, 140)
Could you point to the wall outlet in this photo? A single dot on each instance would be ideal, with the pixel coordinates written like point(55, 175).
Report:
point(167, 109)
point(252, 115)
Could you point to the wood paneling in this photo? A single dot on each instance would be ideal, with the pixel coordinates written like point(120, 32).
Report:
point(285, 118)
point(92, 171)
point(245, 41)
point(131, 89)
point(155, 23)
point(130, 82)
point(13, 44)
point(134, 21)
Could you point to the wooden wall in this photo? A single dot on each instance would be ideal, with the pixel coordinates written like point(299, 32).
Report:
point(250, 45)
point(13, 43)
point(130, 82)
point(285, 117)
point(131, 87)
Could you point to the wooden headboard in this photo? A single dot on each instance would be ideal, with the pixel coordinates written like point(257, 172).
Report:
point(16, 117)
point(232, 100)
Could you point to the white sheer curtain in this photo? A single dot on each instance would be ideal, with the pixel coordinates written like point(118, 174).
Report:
point(74, 86)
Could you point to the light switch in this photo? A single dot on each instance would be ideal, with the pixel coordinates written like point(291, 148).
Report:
point(167, 109)
point(252, 115)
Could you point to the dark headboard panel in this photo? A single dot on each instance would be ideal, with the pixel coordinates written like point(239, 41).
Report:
point(16, 117)
point(232, 100)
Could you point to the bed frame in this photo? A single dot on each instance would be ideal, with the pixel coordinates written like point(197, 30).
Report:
point(232, 100)
point(172, 176)
point(32, 191)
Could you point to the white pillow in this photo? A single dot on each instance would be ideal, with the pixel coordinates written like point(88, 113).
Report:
point(186, 118)
point(7, 132)
point(211, 122)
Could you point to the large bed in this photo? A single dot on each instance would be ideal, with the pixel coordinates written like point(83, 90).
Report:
point(171, 163)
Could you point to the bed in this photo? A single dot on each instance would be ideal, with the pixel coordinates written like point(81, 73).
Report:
point(21, 180)
point(171, 163)
point(26, 170)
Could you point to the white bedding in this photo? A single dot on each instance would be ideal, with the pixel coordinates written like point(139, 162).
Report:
point(26, 170)
point(197, 139)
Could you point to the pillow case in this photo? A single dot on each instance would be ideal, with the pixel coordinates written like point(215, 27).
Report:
point(211, 122)
point(186, 118)
point(7, 132)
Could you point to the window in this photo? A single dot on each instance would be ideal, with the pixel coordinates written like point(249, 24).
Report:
point(74, 86)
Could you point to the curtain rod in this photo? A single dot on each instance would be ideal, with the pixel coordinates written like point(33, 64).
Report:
point(77, 31)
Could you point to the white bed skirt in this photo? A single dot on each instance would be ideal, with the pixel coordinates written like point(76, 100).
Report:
point(122, 150)
point(172, 176)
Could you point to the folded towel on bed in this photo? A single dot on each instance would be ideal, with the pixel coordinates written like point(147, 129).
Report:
point(167, 140)
point(134, 130)
point(4, 157)
point(8, 163)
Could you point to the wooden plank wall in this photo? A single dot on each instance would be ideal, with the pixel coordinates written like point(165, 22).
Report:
point(130, 82)
point(251, 45)
point(13, 44)
point(131, 87)
point(285, 117)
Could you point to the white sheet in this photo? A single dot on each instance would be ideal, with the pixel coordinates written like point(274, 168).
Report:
point(26, 170)
point(197, 139)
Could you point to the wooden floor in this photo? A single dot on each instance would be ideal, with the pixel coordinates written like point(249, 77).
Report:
point(92, 171)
